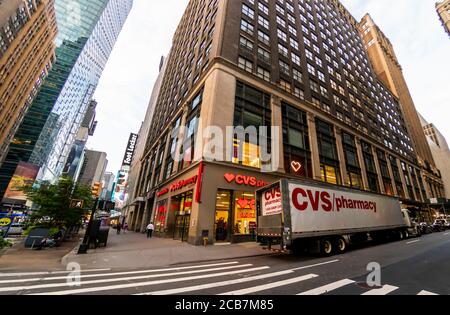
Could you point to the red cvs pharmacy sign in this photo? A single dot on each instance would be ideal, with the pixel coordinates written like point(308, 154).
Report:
point(271, 202)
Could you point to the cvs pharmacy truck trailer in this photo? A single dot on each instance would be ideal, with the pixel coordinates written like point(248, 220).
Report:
point(326, 219)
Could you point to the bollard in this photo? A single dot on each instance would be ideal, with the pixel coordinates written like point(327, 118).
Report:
point(205, 241)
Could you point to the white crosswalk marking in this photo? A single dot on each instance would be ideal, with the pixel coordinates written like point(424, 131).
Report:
point(386, 289)
point(62, 284)
point(150, 283)
point(117, 273)
point(328, 288)
point(217, 284)
point(426, 293)
point(272, 285)
point(46, 273)
point(317, 265)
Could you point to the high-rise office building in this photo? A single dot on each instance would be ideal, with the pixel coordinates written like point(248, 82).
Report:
point(139, 166)
point(389, 71)
point(27, 32)
point(441, 152)
point(443, 10)
point(108, 186)
point(301, 66)
point(94, 168)
point(88, 30)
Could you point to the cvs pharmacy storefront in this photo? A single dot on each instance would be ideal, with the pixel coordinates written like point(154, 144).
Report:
point(213, 199)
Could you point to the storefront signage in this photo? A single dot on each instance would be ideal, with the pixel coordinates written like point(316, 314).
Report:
point(271, 202)
point(163, 192)
point(131, 148)
point(178, 186)
point(244, 180)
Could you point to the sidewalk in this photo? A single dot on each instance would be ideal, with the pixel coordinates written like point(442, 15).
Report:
point(19, 258)
point(134, 251)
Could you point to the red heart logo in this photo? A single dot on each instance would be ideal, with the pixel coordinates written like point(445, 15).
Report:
point(243, 203)
point(296, 166)
point(230, 177)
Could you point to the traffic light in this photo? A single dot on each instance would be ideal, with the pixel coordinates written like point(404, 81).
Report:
point(96, 190)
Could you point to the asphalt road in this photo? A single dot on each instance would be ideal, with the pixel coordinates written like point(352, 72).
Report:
point(412, 267)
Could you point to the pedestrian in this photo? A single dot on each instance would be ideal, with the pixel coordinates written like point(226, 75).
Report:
point(125, 228)
point(119, 228)
point(150, 229)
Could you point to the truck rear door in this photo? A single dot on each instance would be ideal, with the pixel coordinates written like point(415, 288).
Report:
point(270, 212)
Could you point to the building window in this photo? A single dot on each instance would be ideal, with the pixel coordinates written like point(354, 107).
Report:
point(352, 162)
point(245, 64)
point(369, 161)
point(252, 109)
point(297, 156)
point(329, 162)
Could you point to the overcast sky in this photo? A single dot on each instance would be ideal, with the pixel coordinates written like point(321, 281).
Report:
point(413, 27)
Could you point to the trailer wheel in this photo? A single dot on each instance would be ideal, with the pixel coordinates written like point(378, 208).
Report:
point(326, 247)
point(401, 236)
point(341, 245)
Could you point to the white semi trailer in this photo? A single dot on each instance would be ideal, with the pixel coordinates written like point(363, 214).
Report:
point(326, 219)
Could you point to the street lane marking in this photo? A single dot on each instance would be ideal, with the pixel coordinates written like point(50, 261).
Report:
point(328, 288)
point(426, 293)
point(270, 285)
point(62, 284)
point(117, 273)
point(412, 242)
point(49, 273)
point(386, 289)
point(217, 284)
point(150, 283)
point(317, 265)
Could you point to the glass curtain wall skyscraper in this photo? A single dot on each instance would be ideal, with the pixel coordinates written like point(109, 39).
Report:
point(88, 30)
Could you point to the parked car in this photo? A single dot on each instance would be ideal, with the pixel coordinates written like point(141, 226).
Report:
point(16, 229)
point(426, 228)
point(440, 225)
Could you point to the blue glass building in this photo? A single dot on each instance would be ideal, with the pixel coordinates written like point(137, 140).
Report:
point(88, 30)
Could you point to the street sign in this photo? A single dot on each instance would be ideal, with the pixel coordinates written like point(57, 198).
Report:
point(5, 222)
point(79, 204)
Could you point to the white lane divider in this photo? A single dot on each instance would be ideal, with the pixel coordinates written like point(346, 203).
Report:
point(218, 284)
point(386, 289)
point(268, 286)
point(117, 273)
point(150, 283)
point(47, 273)
point(317, 265)
point(426, 293)
point(328, 288)
point(412, 242)
point(62, 284)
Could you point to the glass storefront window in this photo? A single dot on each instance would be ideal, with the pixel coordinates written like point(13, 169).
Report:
point(161, 216)
point(235, 215)
point(244, 213)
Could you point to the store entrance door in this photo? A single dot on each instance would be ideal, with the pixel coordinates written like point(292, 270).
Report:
point(222, 226)
point(182, 223)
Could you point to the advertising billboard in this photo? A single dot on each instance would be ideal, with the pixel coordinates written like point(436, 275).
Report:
point(74, 158)
point(25, 174)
